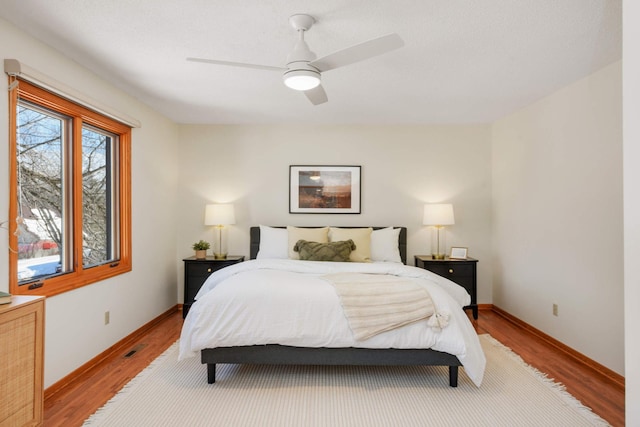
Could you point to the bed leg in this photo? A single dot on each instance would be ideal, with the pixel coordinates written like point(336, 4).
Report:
point(453, 376)
point(211, 373)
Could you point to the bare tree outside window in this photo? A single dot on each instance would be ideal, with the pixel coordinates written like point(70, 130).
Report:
point(44, 191)
point(98, 203)
point(40, 192)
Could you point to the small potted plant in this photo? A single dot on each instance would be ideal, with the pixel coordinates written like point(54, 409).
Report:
point(201, 249)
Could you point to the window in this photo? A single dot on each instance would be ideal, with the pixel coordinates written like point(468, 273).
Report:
point(70, 194)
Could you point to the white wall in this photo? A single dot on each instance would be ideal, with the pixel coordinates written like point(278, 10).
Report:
point(557, 216)
point(631, 148)
point(75, 330)
point(402, 168)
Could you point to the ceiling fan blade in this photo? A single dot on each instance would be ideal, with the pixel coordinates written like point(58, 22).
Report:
point(317, 95)
point(237, 64)
point(359, 52)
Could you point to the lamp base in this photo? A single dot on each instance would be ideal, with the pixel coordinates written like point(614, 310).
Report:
point(220, 256)
point(438, 244)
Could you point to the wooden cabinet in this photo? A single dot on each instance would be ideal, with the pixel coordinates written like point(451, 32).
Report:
point(196, 272)
point(22, 361)
point(461, 271)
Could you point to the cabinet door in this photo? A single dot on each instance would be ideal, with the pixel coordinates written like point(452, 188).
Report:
point(21, 362)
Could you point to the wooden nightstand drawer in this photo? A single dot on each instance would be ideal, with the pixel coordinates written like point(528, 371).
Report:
point(197, 269)
point(196, 272)
point(462, 272)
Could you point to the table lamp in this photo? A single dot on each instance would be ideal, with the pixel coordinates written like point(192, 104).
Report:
point(438, 215)
point(219, 215)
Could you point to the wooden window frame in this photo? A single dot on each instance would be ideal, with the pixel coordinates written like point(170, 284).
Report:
point(79, 114)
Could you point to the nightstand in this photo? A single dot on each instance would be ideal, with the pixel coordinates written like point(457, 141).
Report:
point(196, 272)
point(460, 271)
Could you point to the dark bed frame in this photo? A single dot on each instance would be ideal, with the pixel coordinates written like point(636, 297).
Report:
point(287, 355)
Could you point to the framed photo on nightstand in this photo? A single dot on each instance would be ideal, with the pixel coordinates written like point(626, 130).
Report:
point(458, 253)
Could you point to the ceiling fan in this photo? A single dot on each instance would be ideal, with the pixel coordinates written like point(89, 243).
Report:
point(303, 71)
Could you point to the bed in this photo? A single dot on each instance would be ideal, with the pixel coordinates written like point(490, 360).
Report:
point(214, 329)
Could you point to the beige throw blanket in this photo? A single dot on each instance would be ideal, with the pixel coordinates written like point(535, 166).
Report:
point(375, 303)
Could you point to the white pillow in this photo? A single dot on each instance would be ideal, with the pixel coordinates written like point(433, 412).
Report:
point(311, 234)
point(360, 236)
point(384, 245)
point(273, 243)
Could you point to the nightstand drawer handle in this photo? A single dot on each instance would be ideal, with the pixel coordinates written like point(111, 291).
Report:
point(208, 270)
point(451, 270)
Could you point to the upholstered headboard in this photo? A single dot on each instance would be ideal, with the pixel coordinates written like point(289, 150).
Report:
point(255, 241)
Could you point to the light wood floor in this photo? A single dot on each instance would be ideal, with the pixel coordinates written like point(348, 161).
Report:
point(71, 405)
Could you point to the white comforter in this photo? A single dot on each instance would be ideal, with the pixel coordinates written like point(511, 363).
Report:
point(285, 302)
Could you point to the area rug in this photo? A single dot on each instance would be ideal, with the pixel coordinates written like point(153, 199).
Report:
point(172, 393)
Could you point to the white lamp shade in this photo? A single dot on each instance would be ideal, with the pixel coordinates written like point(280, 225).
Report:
point(438, 214)
point(219, 214)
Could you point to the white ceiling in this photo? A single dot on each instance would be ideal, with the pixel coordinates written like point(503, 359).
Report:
point(464, 61)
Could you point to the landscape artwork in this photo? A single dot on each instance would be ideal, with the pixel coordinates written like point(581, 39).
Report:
point(324, 189)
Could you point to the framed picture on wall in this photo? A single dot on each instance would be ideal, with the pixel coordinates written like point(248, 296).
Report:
point(324, 189)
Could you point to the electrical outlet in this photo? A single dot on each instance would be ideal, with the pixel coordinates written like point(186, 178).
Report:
point(106, 317)
point(555, 309)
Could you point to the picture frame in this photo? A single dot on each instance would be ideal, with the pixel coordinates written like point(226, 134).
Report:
point(458, 253)
point(325, 189)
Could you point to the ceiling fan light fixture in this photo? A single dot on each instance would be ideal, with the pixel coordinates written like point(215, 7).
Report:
point(302, 79)
point(303, 68)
